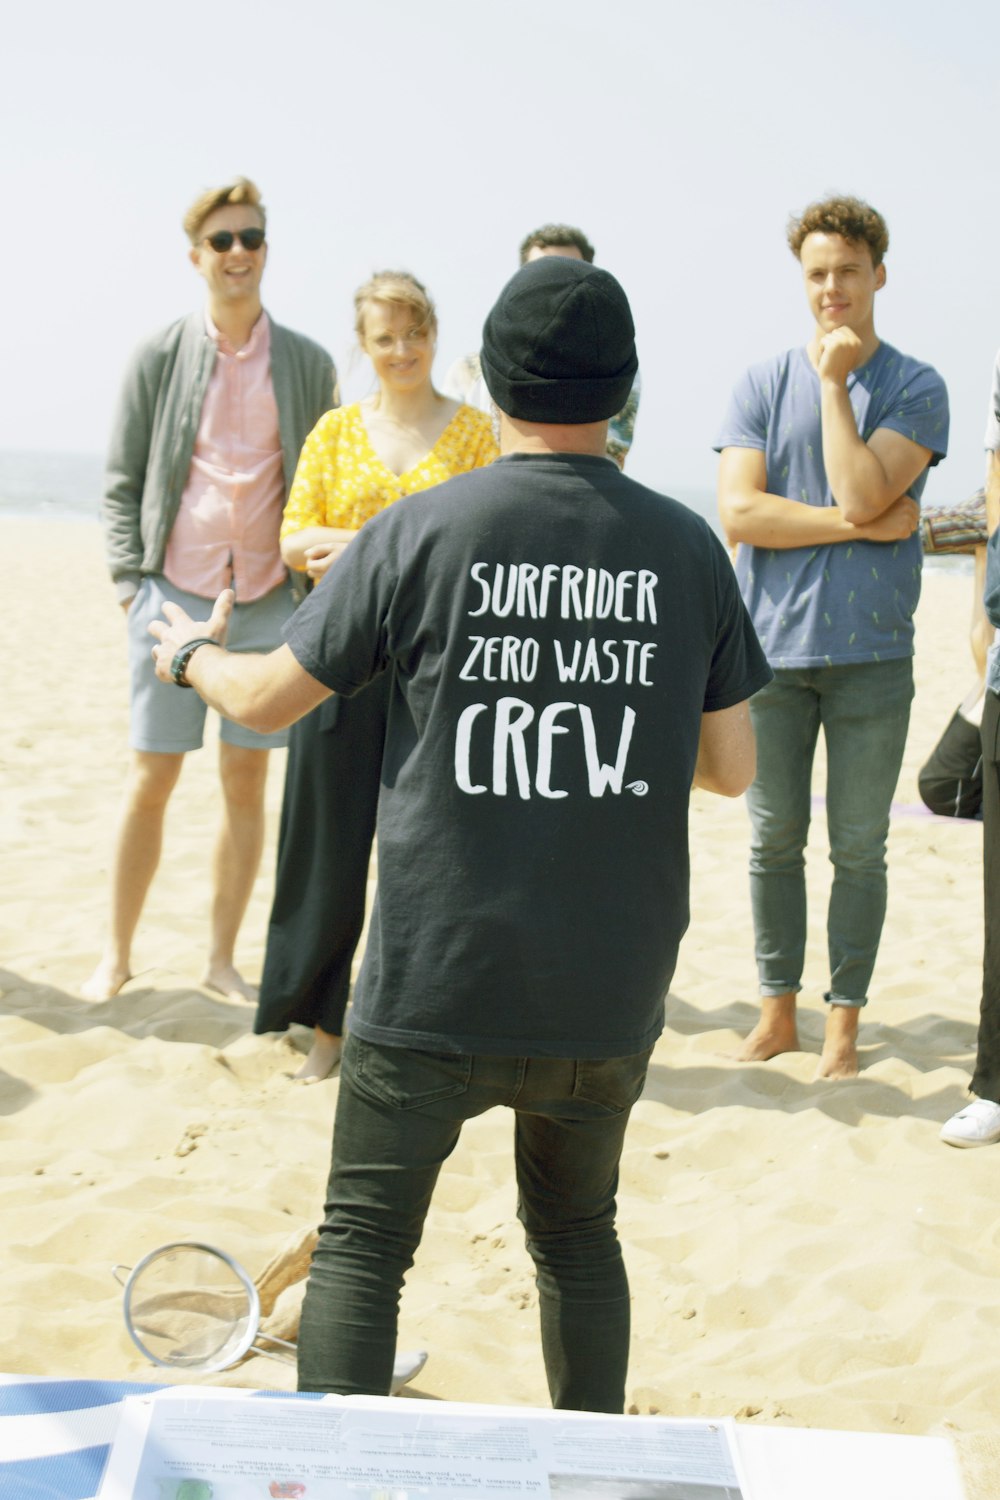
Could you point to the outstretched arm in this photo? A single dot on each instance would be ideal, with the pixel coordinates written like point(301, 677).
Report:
point(262, 692)
point(751, 515)
point(727, 751)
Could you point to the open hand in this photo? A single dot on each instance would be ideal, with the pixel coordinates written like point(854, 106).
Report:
point(179, 628)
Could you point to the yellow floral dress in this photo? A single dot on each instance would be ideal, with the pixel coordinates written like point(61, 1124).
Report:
point(341, 481)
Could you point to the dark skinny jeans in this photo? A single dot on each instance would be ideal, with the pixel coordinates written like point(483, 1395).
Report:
point(399, 1117)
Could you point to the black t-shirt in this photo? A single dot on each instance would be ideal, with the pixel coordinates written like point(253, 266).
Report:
point(555, 632)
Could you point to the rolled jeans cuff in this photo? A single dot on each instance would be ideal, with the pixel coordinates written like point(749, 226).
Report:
point(849, 1000)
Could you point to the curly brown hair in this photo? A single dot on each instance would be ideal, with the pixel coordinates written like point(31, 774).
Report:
point(851, 218)
point(240, 190)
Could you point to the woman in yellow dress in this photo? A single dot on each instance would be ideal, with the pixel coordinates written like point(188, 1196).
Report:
point(357, 460)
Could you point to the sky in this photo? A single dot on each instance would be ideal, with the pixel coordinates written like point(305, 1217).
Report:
point(433, 136)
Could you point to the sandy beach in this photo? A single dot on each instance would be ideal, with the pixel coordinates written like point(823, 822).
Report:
point(800, 1253)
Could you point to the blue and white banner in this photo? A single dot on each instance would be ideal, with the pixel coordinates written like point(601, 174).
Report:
point(55, 1435)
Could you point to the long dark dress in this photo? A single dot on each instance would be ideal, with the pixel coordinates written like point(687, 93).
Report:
point(324, 848)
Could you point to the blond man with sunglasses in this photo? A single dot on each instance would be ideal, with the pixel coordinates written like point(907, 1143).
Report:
point(213, 413)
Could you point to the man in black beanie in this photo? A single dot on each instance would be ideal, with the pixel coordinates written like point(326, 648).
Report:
point(569, 652)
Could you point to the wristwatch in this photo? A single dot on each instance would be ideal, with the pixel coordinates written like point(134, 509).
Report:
point(181, 658)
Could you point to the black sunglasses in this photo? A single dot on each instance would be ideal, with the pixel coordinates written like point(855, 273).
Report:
point(222, 239)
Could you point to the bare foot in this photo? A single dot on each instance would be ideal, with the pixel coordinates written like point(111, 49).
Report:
point(226, 980)
point(839, 1058)
point(323, 1057)
point(774, 1033)
point(106, 980)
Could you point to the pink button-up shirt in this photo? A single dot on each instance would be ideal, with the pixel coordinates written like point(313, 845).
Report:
point(226, 531)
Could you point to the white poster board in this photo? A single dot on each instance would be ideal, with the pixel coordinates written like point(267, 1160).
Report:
point(192, 1444)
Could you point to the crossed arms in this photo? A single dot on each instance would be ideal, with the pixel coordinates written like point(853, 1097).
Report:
point(869, 481)
point(751, 514)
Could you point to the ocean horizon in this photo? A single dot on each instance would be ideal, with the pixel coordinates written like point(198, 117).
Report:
point(51, 486)
point(67, 487)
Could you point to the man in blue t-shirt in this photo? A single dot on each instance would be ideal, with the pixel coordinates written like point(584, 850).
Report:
point(825, 451)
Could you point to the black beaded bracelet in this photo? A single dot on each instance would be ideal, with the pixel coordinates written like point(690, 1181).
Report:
point(179, 664)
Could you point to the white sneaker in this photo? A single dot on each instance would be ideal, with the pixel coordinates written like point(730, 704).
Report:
point(406, 1365)
point(978, 1124)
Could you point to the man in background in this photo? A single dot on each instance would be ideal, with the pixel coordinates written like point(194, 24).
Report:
point(212, 414)
point(825, 451)
point(464, 380)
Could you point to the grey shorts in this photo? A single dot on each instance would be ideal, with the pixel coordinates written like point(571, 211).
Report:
point(168, 719)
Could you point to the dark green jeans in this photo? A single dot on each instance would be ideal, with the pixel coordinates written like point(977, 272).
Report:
point(399, 1116)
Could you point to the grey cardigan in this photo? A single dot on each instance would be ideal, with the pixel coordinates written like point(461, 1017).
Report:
point(157, 423)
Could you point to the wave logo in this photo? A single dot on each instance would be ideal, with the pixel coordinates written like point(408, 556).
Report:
point(640, 788)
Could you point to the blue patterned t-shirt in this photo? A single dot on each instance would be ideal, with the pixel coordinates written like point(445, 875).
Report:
point(850, 601)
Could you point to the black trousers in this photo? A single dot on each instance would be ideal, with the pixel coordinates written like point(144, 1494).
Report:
point(324, 847)
point(986, 1079)
point(399, 1116)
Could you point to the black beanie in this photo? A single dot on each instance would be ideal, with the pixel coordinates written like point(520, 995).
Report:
point(559, 344)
